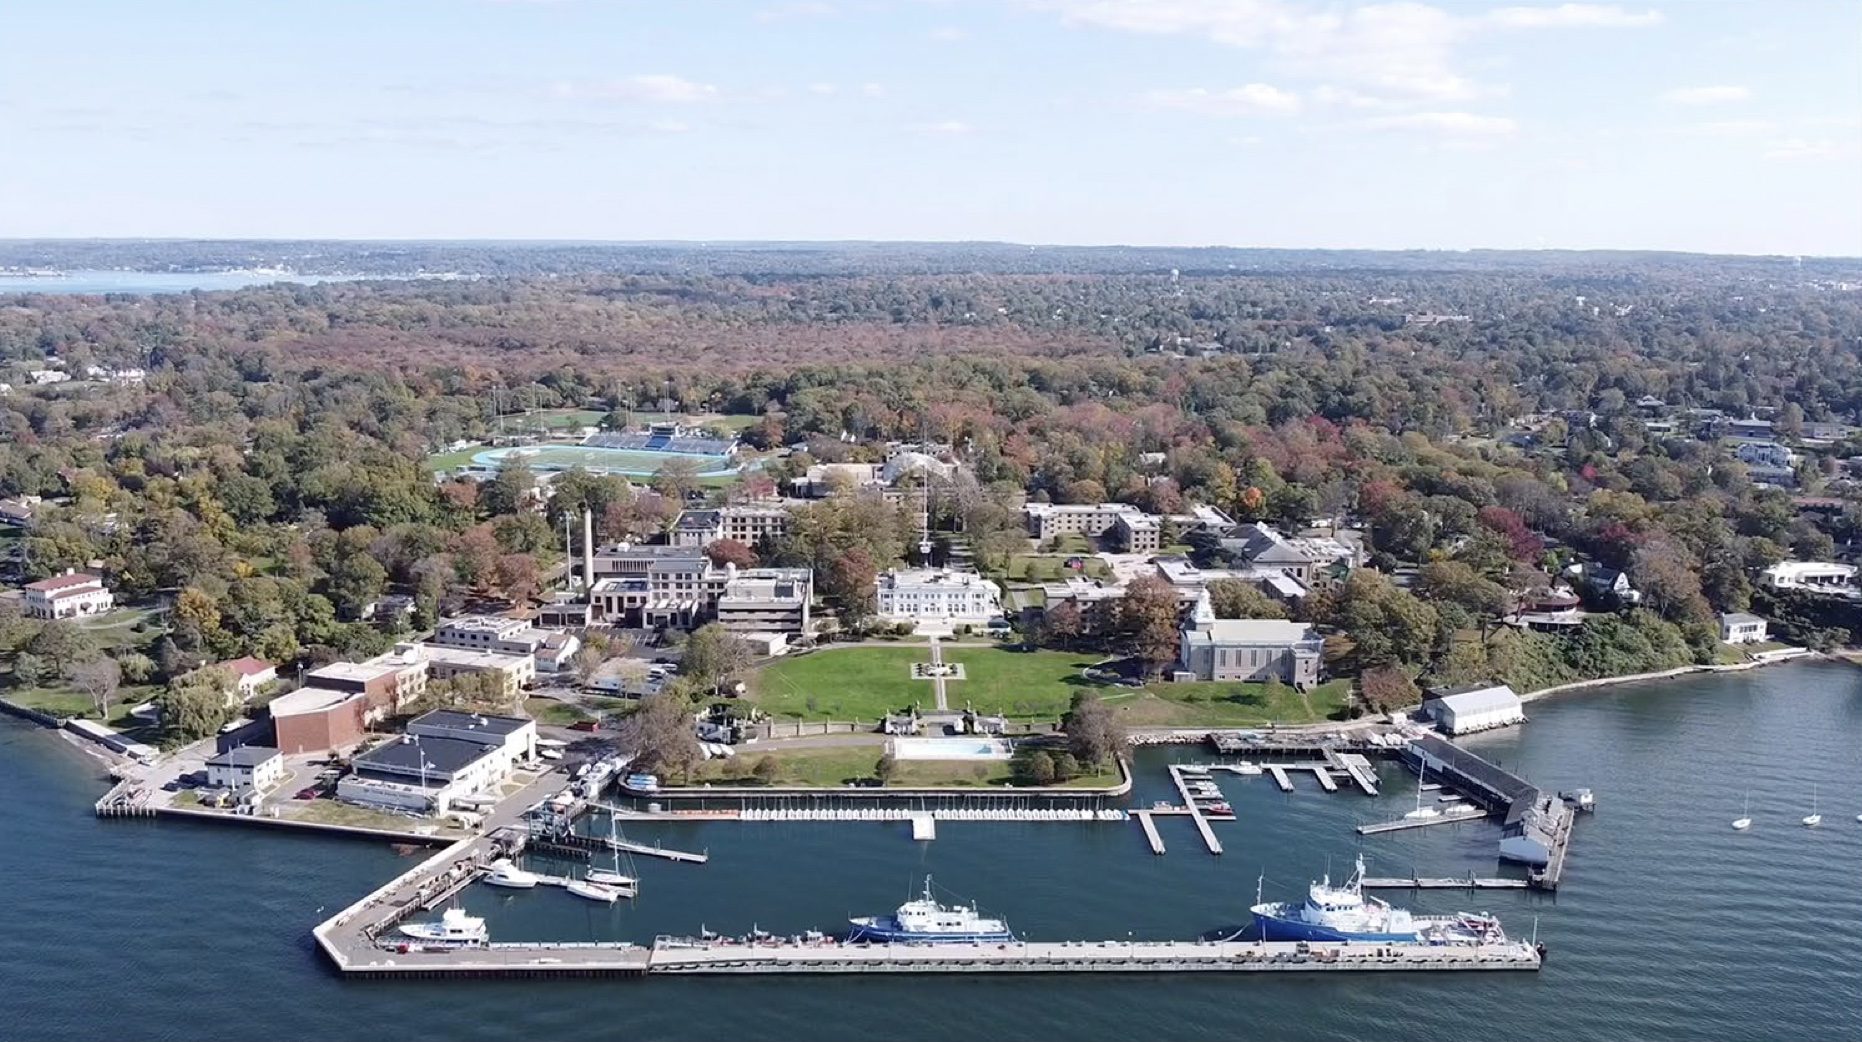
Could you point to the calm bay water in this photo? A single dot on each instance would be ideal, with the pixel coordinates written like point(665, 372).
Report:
point(1670, 925)
point(146, 282)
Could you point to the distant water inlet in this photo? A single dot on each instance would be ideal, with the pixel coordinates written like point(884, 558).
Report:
point(950, 749)
point(602, 460)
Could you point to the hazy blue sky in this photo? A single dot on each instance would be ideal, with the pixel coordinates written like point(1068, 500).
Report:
point(1720, 125)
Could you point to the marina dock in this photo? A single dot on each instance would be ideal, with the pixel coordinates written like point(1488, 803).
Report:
point(1354, 766)
point(1465, 883)
point(1280, 778)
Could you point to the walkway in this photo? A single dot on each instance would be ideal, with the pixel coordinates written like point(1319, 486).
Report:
point(937, 675)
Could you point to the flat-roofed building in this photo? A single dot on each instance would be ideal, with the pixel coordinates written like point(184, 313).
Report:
point(496, 633)
point(316, 719)
point(1739, 627)
point(748, 525)
point(936, 597)
point(767, 600)
point(1131, 529)
point(445, 755)
point(1247, 649)
point(1821, 577)
point(254, 767)
point(69, 596)
point(513, 673)
point(390, 681)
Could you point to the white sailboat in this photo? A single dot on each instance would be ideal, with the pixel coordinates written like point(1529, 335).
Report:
point(1813, 819)
point(1421, 811)
point(612, 879)
point(1744, 821)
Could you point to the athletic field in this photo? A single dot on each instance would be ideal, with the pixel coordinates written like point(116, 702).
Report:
point(629, 462)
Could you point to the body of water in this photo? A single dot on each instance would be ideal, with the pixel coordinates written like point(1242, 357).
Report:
point(147, 282)
point(1670, 924)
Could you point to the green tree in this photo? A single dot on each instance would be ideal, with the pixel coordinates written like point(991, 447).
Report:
point(661, 736)
point(1235, 599)
point(1040, 768)
point(886, 769)
point(196, 704)
point(1094, 732)
point(713, 654)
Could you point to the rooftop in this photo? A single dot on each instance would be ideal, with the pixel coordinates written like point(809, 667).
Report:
point(1739, 618)
point(1259, 631)
point(68, 581)
point(1476, 698)
point(244, 756)
point(310, 700)
point(456, 720)
point(407, 753)
point(248, 666)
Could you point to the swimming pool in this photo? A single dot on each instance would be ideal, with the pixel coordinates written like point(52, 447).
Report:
point(638, 463)
point(950, 748)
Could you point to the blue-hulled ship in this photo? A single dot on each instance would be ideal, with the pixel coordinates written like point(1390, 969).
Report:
point(1344, 913)
point(925, 921)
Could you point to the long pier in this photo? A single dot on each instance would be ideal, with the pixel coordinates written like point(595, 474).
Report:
point(1150, 830)
point(1451, 883)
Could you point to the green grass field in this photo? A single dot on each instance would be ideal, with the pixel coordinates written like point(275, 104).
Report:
point(1200, 704)
point(865, 683)
point(1047, 568)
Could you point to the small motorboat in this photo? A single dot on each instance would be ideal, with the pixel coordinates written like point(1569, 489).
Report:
point(505, 873)
point(1248, 767)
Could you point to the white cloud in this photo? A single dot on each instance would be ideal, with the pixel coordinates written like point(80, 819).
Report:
point(1390, 53)
point(661, 88)
point(1254, 99)
point(1450, 124)
point(949, 128)
point(1796, 148)
point(1573, 16)
point(948, 34)
point(873, 90)
point(1719, 95)
point(823, 89)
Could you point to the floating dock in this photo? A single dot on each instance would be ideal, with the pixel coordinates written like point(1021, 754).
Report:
point(1356, 767)
point(1280, 778)
point(924, 827)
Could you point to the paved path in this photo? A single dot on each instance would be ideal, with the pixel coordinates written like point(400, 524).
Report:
point(937, 675)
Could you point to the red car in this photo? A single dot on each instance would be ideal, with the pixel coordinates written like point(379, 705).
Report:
point(584, 725)
point(307, 794)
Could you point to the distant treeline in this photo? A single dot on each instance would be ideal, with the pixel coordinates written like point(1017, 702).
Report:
point(503, 258)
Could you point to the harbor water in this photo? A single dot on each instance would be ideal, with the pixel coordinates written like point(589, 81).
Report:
point(1669, 925)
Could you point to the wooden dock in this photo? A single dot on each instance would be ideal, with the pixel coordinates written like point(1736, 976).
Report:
point(1280, 778)
point(1449, 816)
point(1195, 809)
point(577, 841)
point(1425, 883)
point(1325, 779)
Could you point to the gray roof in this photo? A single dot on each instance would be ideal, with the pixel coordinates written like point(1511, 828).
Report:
point(455, 720)
point(243, 756)
point(1739, 618)
point(442, 754)
point(1477, 698)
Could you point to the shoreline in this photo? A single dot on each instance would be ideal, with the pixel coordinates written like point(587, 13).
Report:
point(1794, 655)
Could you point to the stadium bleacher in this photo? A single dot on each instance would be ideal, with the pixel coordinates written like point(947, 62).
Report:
point(662, 441)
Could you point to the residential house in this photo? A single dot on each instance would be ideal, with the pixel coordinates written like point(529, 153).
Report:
point(247, 767)
point(69, 596)
point(1738, 627)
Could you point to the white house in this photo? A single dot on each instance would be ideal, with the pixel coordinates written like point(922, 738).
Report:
point(71, 595)
point(936, 596)
point(255, 767)
point(1738, 627)
point(1478, 707)
point(1825, 577)
point(249, 675)
point(445, 755)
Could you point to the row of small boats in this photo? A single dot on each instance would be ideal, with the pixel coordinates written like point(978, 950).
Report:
point(1809, 821)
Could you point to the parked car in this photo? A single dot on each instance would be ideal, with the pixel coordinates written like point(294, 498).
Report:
point(307, 794)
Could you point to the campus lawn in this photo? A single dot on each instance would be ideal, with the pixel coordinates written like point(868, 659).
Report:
point(865, 683)
point(1200, 704)
point(838, 767)
point(553, 713)
point(1043, 568)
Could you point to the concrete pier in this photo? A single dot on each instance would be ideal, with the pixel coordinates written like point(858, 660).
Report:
point(1086, 957)
point(1463, 883)
point(1280, 778)
point(1449, 816)
point(1150, 830)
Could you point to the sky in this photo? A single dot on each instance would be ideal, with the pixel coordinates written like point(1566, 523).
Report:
point(1727, 126)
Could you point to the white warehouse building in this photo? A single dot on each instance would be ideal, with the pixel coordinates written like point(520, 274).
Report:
point(1478, 707)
